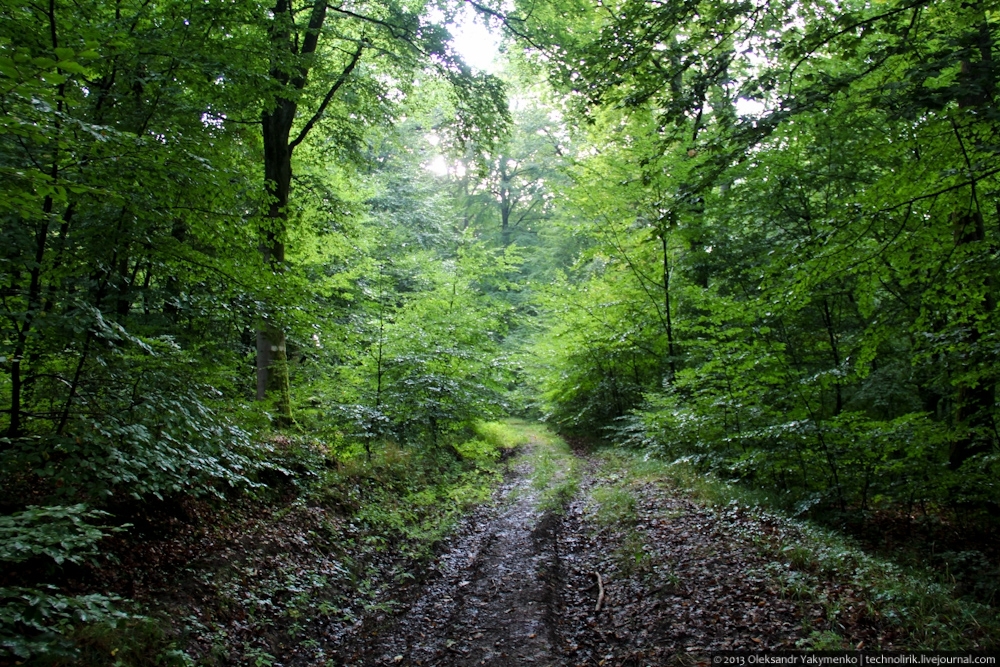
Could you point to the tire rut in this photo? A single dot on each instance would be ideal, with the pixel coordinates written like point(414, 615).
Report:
point(492, 601)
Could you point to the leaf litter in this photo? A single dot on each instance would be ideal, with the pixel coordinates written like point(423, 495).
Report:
point(665, 583)
point(627, 572)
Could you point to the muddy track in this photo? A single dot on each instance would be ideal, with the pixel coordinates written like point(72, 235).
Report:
point(519, 586)
point(492, 600)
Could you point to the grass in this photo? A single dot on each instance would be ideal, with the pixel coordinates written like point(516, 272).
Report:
point(915, 601)
point(615, 506)
point(612, 506)
point(502, 436)
point(556, 472)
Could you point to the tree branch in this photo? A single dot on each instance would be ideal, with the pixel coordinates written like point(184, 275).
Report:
point(315, 25)
point(397, 32)
point(506, 22)
point(341, 80)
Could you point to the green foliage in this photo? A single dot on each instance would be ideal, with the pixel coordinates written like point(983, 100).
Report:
point(509, 193)
point(589, 368)
point(125, 275)
point(480, 451)
point(501, 435)
point(41, 622)
point(45, 627)
point(160, 437)
point(787, 273)
point(60, 533)
point(134, 217)
point(427, 323)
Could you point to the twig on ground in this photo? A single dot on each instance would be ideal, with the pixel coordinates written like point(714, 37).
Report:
point(600, 594)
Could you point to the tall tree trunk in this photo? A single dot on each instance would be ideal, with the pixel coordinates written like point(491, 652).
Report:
point(17, 379)
point(506, 207)
point(272, 356)
point(672, 361)
point(34, 301)
point(835, 354)
point(276, 127)
point(973, 403)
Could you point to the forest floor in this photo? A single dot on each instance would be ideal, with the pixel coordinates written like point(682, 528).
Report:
point(579, 561)
point(578, 558)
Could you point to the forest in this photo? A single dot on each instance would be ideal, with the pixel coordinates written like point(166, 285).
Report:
point(292, 279)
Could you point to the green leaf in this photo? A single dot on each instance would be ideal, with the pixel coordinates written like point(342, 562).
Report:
point(72, 67)
point(8, 68)
point(53, 78)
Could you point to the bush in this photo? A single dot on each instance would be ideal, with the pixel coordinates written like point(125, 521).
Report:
point(38, 622)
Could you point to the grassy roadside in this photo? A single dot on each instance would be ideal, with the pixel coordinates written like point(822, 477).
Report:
point(810, 564)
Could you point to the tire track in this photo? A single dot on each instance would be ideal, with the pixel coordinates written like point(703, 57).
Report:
point(493, 600)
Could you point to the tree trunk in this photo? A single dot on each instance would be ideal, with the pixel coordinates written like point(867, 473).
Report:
point(272, 357)
point(835, 354)
point(34, 305)
point(672, 361)
point(973, 404)
point(505, 210)
point(276, 127)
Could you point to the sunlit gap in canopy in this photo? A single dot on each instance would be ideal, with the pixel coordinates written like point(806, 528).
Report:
point(479, 46)
point(472, 38)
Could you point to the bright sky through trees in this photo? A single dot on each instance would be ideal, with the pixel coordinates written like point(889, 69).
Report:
point(474, 41)
point(478, 46)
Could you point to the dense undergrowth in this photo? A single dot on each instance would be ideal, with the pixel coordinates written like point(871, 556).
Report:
point(918, 606)
point(333, 535)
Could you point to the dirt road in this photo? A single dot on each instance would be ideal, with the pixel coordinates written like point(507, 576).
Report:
point(617, 570)
point(492, 600)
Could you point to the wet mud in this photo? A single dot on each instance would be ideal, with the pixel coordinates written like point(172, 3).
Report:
point(491, 601)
